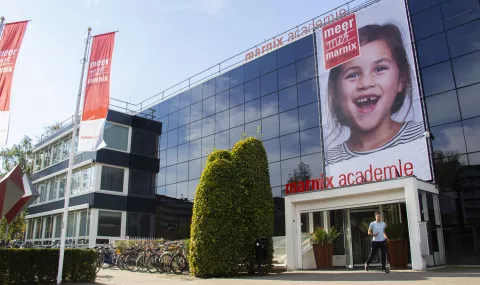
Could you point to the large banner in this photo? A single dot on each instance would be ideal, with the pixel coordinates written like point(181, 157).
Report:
point(372, 119)
point(97, 93)
point(9, 47)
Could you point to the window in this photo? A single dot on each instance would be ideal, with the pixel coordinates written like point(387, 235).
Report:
point(459, 12)
point(290, 146)
point(308, 116)
point(173, 104)
point(192, 189)
point(194, 169)
point(173, 121)
point(109, 223)
point(182, 190)
point(172, 138)
point(467, 69)
point(116, 136)
point(222, 121)
point(184, 134)
point(269, 105)
point(268, 62)
point(472, 134)
point(288, 98)
point(144, 142)
point(184, 99)
point(270, 127)
point(195, 149)
point(237, 95)
point(38, 161)
point(112, 179)
point(208, 107)
point(464, 39)
point(196, 112)
point(52, 193)
point(48, 226)
point(469, 101)
point(288, 167)
point(304, 47)
point(252, 70)
point(62, 181)
point(237, 76)
point(307, 92)
point(195, 130)
point(56, 153)
point(184, 116)
point(196, 94)
point(58, 226)
point(286, 54)
point(236, 134)
point(237, 116)
point(171, 175)
point(208, 126)
point(183, 151)
point(252, 111)
point(43, 192)
point(162, 109)
point(208, 88)
point(272, 147)
point(84, 224)
point(289, 122)
point(207, 145)
point(141, 182)
point(222, 140)
point(222, 101)
point(427, 23)
point(275, 174)
point(449, 138)
point(252, 89)
point(419, 5)
point(443, 108)
point(437, 78)
point(287, 76)
point(182, 171)
point(310, 141)
point(305, 69)
point(269, 83)
point(71, 225)
point(46, 157)
point(433, 50)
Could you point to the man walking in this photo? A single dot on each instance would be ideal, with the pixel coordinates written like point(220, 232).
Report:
point(376, 229)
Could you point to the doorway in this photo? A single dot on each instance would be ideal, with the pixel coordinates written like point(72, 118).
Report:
point(360, 220)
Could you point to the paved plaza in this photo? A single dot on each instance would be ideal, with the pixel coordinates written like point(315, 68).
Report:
point(337, 277)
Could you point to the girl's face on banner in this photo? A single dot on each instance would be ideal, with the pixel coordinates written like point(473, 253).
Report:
point(367, 86)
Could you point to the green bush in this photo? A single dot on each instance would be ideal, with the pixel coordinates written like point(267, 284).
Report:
point(233, 207)
point(32, 266)
point(251, 163)
point(214, 245)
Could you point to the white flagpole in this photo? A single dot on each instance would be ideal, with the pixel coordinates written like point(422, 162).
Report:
point(70, 166)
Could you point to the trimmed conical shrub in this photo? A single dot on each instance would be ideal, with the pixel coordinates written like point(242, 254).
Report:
point(215, 248)
point(251, 164)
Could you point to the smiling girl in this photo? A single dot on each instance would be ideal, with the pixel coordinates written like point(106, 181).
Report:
point(365, 92)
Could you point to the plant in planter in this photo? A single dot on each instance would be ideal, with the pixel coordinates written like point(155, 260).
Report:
point(322, 242)
point(397, 246)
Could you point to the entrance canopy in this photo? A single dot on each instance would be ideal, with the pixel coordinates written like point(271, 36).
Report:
point(407, 190)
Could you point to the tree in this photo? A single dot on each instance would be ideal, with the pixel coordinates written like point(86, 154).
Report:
point(301, 173)
point(19, 154)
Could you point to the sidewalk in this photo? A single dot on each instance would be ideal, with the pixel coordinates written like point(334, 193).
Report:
point(340, 277)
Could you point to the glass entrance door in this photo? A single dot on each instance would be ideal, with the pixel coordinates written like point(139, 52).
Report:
point(360, 219)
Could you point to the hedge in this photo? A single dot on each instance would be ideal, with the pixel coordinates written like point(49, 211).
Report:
point(215, 248)
point(251, 163)
point(34, 266)
point(233, 206)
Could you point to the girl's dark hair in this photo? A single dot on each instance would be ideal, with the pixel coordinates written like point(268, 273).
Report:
point(392, 36)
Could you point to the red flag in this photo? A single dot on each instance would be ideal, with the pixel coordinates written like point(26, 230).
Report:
point(9, 47)
point(97, 93)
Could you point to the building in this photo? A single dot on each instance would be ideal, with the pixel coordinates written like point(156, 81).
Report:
point(276, 94)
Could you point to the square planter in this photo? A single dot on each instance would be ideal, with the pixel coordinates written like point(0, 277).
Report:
point(323, 255)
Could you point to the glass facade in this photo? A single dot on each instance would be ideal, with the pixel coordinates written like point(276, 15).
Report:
point(273, 98)
point(447, 38)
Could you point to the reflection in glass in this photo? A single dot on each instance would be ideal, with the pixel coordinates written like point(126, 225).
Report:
point(163, 142)
point(222, 101)
point(252, 70)
point(184, 99)
point(427, 23)
point(457, 12)
point(236, 134)
point(173, 121)
point(194, 168)
point(270, 127)
point(208, 107)
point(304, 47)
point(162, 109)
point(237, 95)
point(472, 134)
point(269, 105)
point(315, 163)
point(237, 76)
point(287, 76)
point(182, 171)
point(183, 134)
point(184, 116)
point(207, 145)
point(272, 147)
point(254, 129)
point(305, 69)
point(289, 122)
point(449, 138)
point(195, 149)
point(252, 89)
point(307, 92)
point(173, 138)
point(268, 62)
point(252, 111)
point(161, 190)
point(464, 39)
point(182, 190)
point(161, 176)
point(196, 94)
point(172, 156)
point(288, 166)
point(192, 189)
point(171, 190)
point(163, 158)
point(437, 78)
point(290, 146)
point(208, 126)
point(308, 116)
point(310, 141)
point(222, 140)
point(208, 88)
point(236, 116)
point(269, 83)
point(286, 54)
point(171, 174)
point(196, 112)
point(275, 174)
point(183, 151)
point(469, 101)
point(467, 69)
point(288, 98)
point(443, 108)
point(173, 105)
point(164, 121)
point(222, 82)
point(433, 50)
point(222, 121)
point(419, 5)
point(195, 130)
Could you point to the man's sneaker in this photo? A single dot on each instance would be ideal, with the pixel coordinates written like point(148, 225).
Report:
point(386, 269)
point(366, 267)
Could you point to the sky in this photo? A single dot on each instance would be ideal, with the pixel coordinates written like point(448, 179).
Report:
point(159, 43)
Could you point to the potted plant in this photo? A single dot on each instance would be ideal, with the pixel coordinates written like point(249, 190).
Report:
point(397, 246)
point(322, 242)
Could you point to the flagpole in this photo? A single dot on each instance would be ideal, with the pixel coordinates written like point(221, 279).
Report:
point(70, 166)
point(2, 20)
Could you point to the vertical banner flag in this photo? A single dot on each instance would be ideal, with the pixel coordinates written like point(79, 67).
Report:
point(97, 93)
point(9, 47)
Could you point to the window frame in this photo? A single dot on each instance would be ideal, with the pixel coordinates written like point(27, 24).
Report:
point(129, 141)
point(98, 173)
